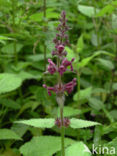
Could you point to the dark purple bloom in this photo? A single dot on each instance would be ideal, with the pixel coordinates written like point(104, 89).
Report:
point(58, 123)
point(51, 67)
point(67, 63)
point(61, 88)
point(60, 48)
point(64, 65)
point(61, 69)
point(49, 89)
point(61, 40)
point(66, 122)
point(70, 86)
point(58, 89)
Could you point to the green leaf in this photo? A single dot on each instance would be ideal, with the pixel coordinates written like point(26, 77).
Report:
point(9, 48)
point(69, 111)
point(110, 128)
point(94, 39)
point(4, 38)
point(113, 113)
point(39, 123)
point(26, 75)
point(78, 149)
point(106, 63)
point(88, 10)
point(6, 134)
point(96, 103)
point(21, 65)
point(83, 94)
point(9, 82)
point(114, 21)
point(80, 44)
point(43, 146)
point(37, 57)
point(8, 103)
point(106, 10)
point(97, 135)
point(85, 61)
point(112, 146)
point(114, 86)
point(70, 53)
point(19, 129)
point(78, 123)
point(38, 17)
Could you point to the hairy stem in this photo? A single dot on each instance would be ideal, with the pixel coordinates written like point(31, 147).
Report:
point(78, 77)
point(61, 104)
point(62, 132)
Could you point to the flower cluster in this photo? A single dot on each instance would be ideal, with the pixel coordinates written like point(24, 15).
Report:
point(66, 122)
point(59, 89)
point(52, 68)
point(61, 40)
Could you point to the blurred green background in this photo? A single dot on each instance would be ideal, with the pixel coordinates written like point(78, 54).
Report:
point(27, 29)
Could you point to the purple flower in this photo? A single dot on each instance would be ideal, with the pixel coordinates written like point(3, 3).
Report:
point(70, 86)
point(61, 88)
point(51, 67)
point(66, 122)
point(58, 123)
point(67, 63)
point(49, 89)
point(61, 40)
point(58, 89)
point(64, 65)
point(61, 69)
point(60, 48)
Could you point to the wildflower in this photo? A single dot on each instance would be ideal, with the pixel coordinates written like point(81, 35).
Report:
point(70, 86)
point(52, 67)
point(66, 122)
point(60, 89)
point(61, 40)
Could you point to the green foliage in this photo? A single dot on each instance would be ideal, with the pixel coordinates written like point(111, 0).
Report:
point(78, 148)
point(111, 144)
point(108, 9)
point(96, 103)
point(24, 33)
point(39, 123)
point(44, 146)
point(6, 134)
point(80, 44)
point(88, 10)
point(38, 17)
point(78, 123)
point(9, 48)
point(9, 82)
point(84, 94)
point(69, 111)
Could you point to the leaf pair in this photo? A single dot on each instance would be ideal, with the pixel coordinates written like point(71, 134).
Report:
point(49, 123)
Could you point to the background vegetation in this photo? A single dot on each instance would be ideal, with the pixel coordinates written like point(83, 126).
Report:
point(26, 33)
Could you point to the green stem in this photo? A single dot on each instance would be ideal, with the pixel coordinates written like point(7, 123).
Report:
point(13, 23)
point(44, 29)
point(62, 132)
point(96, 26)
point(108, 115)
point(78, 78)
